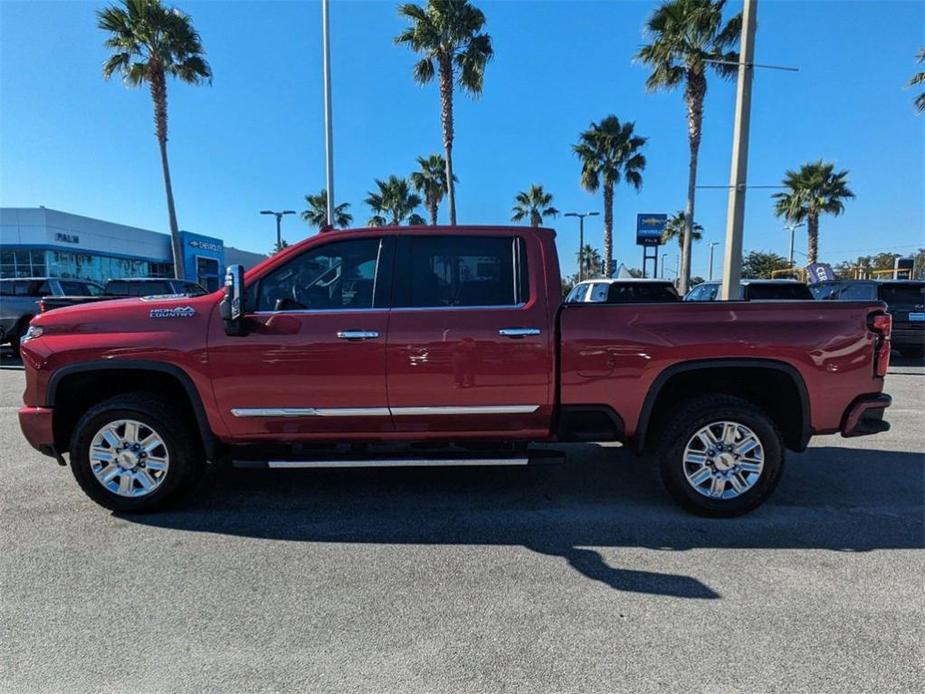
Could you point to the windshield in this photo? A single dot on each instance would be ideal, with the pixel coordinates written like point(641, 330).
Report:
point(784, 291)
point(893, 294)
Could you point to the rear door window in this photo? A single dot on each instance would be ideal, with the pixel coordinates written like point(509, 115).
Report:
point(460, 271)
point(599, 292)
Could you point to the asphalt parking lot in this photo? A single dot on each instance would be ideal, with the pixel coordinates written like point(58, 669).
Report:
point(576, 577)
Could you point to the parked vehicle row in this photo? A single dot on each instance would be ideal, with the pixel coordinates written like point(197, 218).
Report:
point(442, 343)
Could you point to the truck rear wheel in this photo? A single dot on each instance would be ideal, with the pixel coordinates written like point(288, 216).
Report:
point(720, 456)
point(134, 453)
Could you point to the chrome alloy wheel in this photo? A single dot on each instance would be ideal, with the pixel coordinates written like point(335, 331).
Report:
point(129, 458)
point(723, 460)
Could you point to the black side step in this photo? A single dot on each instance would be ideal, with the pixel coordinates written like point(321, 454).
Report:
point(331, 459)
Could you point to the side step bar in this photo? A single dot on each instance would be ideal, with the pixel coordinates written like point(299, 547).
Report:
point(467, 459)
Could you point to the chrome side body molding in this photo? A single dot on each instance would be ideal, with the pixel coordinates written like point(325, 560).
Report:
point(380, 411)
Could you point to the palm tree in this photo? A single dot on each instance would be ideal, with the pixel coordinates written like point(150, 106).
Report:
point(685, 35)
point(448, 34)
point(813, 190)
point(610, 152)
point(393, 204)
point(589, 262)
point(919, 78)
point(533, 204)
point(316, 214)
point(675, 227)
point(150, 42)
point(430, 181)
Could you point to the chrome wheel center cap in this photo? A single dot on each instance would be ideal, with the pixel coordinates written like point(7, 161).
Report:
point(127, 460)
point(725, 461)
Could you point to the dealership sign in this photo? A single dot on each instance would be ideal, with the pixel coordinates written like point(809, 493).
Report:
point(649, 228)
point(819, 272)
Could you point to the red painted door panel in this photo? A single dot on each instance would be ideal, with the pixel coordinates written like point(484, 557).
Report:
point(313, 363)
point(450, 370)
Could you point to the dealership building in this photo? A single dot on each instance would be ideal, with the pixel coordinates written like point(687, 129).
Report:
point(41, 242)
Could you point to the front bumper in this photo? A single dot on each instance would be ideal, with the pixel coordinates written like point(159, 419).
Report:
point(865, 416)
point(37, 427)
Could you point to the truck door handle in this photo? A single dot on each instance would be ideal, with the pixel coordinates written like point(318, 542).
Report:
point(357, 334)
point(519, 332)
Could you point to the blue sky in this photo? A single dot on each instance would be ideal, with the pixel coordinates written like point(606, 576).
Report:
point(254, 139)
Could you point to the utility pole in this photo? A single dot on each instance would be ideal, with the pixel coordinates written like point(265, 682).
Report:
point(712, 245)
point(328, 123)
point(279, 219)
point(732, 269)
point(581, 238)
point(792, 228)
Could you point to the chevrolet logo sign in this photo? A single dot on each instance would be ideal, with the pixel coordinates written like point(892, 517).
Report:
point(652, 220)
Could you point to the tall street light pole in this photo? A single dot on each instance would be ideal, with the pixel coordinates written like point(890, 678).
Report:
point(279, 219)
point(581, 238)
point(732, 269)
point(328, 123)
point(662, 273)
point(712, 245)
point(792, 228)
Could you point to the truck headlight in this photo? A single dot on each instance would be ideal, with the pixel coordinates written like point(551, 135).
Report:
point(33, 332)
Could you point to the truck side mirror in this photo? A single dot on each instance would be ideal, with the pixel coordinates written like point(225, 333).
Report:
point(232, 306)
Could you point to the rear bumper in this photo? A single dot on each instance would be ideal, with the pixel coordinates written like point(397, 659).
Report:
point(36, 425)
point(865, 416)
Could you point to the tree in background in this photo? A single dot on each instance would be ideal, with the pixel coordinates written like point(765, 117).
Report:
point(610, 152)
point(430, 181)
point(393, 203)
point(534, 204)
point(813, 190)
point(449, 34)
point(917, 79)
point(150, 42)
point(866, 265)
point(589, 259)
point(280, 245)
point(316, 214)
point(761, 265)
point(676, 226)
point(685, 35)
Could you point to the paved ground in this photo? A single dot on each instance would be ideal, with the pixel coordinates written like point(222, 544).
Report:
point(581, 577)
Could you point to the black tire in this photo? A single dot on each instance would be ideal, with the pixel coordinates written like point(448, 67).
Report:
point(689, 417)
point(912, 352)
point(186, 460)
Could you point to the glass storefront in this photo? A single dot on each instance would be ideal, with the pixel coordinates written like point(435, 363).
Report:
point(88, 266)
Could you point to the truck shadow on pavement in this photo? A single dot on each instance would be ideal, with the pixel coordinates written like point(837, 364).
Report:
point(840, 499)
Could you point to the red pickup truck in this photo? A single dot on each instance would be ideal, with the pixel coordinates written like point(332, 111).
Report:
point(417, 345)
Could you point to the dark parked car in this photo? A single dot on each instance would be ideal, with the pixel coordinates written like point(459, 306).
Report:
point(20, 296)
point(755, 290)
point(905, 301)
point(623, 291)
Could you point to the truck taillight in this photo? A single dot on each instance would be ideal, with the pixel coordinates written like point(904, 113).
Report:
point(881, 324)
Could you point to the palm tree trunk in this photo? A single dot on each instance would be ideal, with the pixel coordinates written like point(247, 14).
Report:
point(446, 116)
point(608, 228)
point(694, 93)
point(812, 237)
point(159, 96)
point(432, 208)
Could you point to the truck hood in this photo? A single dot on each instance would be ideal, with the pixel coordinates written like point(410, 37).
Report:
point(134, 314)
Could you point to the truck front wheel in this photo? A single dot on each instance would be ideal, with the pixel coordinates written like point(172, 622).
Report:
point(134, 453)
point(720, 456)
